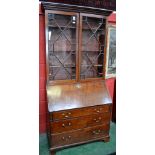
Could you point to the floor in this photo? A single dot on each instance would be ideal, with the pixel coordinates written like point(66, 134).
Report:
point(95, 148)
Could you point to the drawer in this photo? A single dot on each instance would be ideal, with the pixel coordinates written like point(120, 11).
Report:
point(79, 112)
point(78, 123)
point(85, 134)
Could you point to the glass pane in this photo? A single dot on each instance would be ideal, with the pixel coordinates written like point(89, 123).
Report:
point(112, 52)
point(62, 46)
point(93, 34)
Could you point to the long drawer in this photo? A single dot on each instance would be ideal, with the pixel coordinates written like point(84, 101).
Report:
point(79, 112)
point(80, 135)
point(78, 123)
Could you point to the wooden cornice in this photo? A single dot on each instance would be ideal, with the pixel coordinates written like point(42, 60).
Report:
point(75, 8)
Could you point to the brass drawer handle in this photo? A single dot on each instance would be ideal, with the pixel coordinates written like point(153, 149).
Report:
point(69, 124)
point(97, 132)
point(67, 138)
point(66, 115)
point(98, 110)
point(97, 120)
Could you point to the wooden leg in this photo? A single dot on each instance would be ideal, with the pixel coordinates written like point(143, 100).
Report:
point(53, 153)
point(106, 139)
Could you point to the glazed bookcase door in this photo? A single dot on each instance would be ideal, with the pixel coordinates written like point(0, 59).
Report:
point(61, 46)
point(92, 46)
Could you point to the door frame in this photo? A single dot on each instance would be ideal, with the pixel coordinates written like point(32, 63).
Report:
point(80, 46)
point(77, 43)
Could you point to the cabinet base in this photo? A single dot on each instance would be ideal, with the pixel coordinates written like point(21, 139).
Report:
point(106, 139)
point(53, 150)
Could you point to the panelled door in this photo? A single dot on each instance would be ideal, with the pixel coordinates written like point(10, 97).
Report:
point(92, 46)
point(61, 45)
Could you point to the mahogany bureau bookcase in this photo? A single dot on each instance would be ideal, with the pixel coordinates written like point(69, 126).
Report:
point(79, 105)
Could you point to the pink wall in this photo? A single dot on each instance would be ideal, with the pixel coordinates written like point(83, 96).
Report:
point(42, 76)
point(112, 18)
point(42, 73)
point(110, 85)
point(110, 82)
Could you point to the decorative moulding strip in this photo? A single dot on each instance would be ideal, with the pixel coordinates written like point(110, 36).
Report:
point(75, 8)
point(106, 4)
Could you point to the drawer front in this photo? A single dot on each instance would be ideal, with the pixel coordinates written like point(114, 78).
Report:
point(79, 112)
point(85, 134)
point(78, 123)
